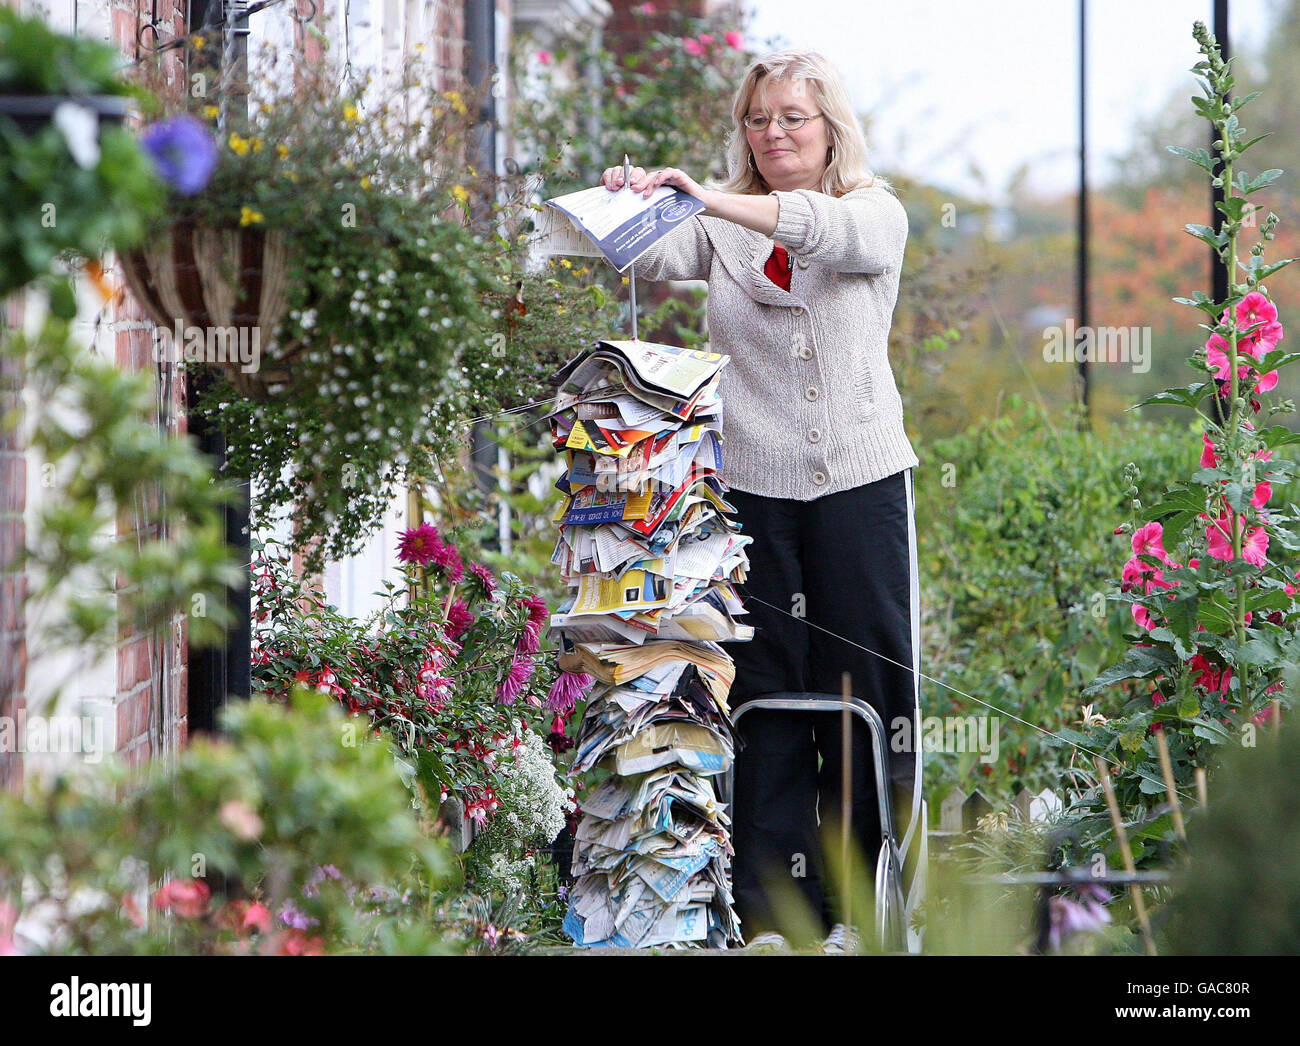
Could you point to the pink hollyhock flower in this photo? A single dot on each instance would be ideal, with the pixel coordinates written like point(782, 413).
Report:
point(1149, 540)
point(1208, 458)
point(459, 618)
point(1255, 308)
point(647, 8)
point(1254, 547)
point(705, 38)
point(693, 46)
point(1208, 674)
point(1263, 491)
point(187, 897)
point(734, 39)
point(1291, 589)
point(295, 942)
point(521, 668)
point(567, 690)
point(544, 57)
point(418, 544)
point(257, 917)
point(1219, 535)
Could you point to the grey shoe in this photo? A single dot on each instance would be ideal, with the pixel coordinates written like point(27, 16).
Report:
point(842, 940)
point(769, 941)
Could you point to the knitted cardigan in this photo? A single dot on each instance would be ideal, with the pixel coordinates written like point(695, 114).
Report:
point(810, 403)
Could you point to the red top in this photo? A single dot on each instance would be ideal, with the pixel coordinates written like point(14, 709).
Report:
point(778, 267)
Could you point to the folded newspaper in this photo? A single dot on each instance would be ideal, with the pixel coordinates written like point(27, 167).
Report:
point(651, 559)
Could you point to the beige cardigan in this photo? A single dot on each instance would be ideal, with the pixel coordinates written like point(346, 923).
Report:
point(809, 399)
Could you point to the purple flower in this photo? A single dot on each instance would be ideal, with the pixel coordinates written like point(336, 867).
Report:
point(183, 152)
point(521, 668)
point(459, 618)
point(485, 577)
point(419, 544)
point(567, 691)
point(290, 916)
point(1069, 916)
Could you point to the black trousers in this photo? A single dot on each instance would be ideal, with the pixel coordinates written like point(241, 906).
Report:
point(827, 578)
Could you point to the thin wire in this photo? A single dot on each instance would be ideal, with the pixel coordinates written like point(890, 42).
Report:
point(969, 697)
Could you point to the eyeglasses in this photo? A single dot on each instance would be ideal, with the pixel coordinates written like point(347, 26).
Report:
point(787, 121)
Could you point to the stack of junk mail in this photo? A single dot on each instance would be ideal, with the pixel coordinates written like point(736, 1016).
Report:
point(651, 559)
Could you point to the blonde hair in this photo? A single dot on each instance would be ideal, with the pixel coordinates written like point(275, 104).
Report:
point(847, 169)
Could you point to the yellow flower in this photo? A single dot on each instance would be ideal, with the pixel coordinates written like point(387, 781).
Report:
point(257, 145)
point(456, 102)
point(625, 281)
point(238, 145)
point(461, 194)
point(566, 263)
point(561, 309)
point(267, 109)
point(211, 112)
point(350, 113)
point(365, 181)
point(198, 42)
point(472, 172)
point(283, 150)
point(291, 175)
point(248, 216)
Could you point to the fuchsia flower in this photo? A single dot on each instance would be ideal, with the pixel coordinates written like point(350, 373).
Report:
point(521, 668)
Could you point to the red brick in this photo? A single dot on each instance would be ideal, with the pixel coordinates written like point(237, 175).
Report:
point(133, 718)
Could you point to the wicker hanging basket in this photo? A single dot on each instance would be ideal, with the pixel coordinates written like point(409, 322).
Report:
point(215, 279)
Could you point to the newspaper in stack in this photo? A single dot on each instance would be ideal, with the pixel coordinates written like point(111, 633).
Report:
point(651, 558)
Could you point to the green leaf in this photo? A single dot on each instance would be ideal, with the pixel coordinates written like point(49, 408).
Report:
point(1138, 663)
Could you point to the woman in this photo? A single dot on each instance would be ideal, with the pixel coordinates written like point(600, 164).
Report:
point(802, 249)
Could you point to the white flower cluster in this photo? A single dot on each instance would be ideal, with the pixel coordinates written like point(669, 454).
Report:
point(533, 805)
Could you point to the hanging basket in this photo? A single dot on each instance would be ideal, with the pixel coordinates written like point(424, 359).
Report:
point(228, 280)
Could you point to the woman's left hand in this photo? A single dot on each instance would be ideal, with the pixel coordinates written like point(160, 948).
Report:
point(671, 176)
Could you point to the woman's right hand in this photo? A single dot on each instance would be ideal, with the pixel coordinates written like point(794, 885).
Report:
point(612, 179)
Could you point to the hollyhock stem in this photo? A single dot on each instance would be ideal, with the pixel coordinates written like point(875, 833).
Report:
point(1234, 416)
